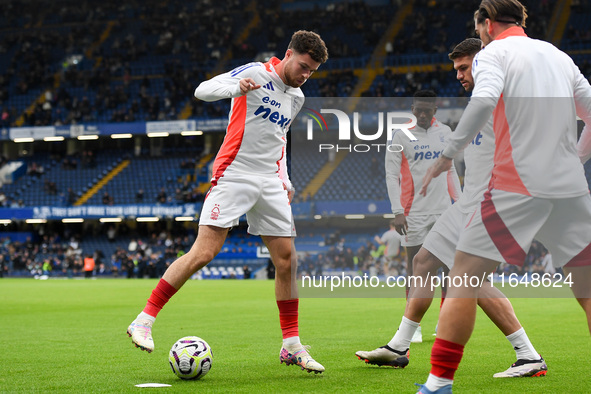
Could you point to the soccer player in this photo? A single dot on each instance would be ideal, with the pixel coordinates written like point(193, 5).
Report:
point(249, 177)
point(391, 239)
point(416, 214)
point(538, 187)
point(440, 246)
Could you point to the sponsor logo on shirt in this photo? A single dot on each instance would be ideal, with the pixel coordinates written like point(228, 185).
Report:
point(272, 116)
point(477, 140)
point(428, 155)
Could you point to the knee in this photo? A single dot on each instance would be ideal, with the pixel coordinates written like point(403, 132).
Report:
point(284, 262)
point(424, 262)
point(198, 259)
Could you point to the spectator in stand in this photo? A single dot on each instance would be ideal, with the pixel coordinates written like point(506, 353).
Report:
point(139, 196)
point(133, 245)
point(35, 169)
point(108, 199)
point(161, 197)
point(71, 198)
point(111, 233)
point(88, 266)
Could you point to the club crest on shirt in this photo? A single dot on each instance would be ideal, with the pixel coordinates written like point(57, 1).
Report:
point(215, 212)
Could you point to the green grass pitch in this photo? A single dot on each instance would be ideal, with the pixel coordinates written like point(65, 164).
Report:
point(69, 336)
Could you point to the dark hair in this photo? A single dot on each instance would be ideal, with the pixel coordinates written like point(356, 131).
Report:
point(309, 42)
point(425, 93)
point(426, 96)
point(503, 11)
point(468, 47)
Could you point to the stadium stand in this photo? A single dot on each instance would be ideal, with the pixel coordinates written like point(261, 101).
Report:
point(66, 63)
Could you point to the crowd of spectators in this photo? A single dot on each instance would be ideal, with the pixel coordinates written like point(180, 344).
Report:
point(155, 54)
point(369, 258)
point(61, 253)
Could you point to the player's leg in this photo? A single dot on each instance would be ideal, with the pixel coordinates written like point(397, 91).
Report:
point(567, 236)
point(500, 311)
point(418, 229)
point(395, 353)
point(411, 252)
point(425, 267)
point(581, 278)
point(457, 317)
point(208, 244)
point(283, 255)
point(282, 250)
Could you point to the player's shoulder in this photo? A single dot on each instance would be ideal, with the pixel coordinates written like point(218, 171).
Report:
point(247, 70)
point(297, 92)
point(441, 127)
point(397, 136)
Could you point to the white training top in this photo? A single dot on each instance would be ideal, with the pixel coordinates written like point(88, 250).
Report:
point(255, 138)
point(478, 157)
point(405, 171)
point(535, 90)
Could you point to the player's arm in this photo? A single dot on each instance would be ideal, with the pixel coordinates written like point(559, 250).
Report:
point(489, 83)
point(453, 183)
point(227, 85)
point(584, 145)
point(393, 165)
point(284, 176)
point(582, 95)
point(454, 188)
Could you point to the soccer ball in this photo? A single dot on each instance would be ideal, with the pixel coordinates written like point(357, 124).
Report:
point(190, 358)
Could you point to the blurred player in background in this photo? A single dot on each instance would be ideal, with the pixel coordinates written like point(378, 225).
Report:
point(538, 186)
point(416, 214)
point(250, 177)
point(391, 239)
point(440, 245)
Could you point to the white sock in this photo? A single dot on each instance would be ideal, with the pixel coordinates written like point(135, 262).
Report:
point(291, 341)
point(144, 316)
point(522, 346)
point(401, 340)
point(435, 383)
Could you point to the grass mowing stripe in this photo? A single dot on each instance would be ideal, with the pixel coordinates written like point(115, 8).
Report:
point(69, 336)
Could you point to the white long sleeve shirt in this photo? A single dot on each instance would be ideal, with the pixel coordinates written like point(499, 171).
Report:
point(405, 171)
point(479, 160)
point(536, 91)
point(255, 138)
point(584, 145)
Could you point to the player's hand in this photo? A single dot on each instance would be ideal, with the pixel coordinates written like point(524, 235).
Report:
point(400, 224)
point(247, 84)
point(290, 194)
point(442, 164)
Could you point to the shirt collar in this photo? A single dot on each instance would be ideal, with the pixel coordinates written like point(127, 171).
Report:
point(270, 66)
point(514, 31)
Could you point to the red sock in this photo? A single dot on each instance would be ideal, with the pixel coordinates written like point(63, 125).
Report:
point(445, 358)
point(442, 299)
point(160, 296)
point(288, 317)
